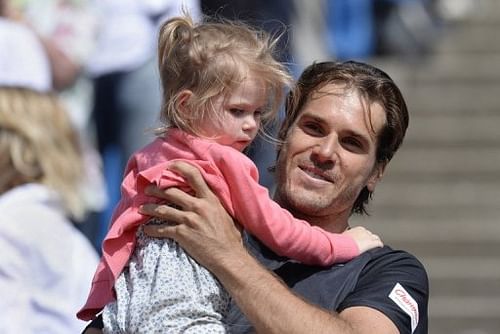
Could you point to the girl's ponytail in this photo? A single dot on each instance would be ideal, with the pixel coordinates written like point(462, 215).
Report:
point(173, 41)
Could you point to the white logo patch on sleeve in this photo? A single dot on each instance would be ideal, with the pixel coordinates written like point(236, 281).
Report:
point(406, 302)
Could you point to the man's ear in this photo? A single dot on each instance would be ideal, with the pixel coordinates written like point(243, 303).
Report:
point(376, 176)
point(182, 100)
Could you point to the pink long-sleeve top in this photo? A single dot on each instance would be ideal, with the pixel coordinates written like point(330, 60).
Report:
point(234, 178)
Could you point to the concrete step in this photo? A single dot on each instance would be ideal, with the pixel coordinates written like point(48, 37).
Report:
point(461, 97)
point(472, 37)
point(480, 263)
point(443, 68)
point(444, 237)
point(431, 217)
point(463, 325)
point(460, 287)
point(470, 268)
point(446, 68)
point(469, 11)
point(452, 129)
point(457, 307)
point(461, 165)
point(455, 315)
point(428, 194)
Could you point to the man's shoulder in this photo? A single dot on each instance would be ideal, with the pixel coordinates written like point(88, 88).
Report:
point(394, 282)
point(368, 280)
point(388, 256)
point(377, 260)
point(388, 252)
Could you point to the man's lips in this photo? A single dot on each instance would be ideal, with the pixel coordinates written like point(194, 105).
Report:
point(317, 173)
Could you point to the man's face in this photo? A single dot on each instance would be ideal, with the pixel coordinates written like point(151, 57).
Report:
point(329, 156)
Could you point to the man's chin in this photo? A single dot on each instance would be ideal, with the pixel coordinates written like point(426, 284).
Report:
point(302, 200)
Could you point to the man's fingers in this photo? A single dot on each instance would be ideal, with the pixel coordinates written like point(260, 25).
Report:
point(173, 196)
point(193, 178)
point(162, 211)
point(159, 231)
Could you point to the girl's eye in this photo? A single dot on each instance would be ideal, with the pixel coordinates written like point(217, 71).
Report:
point(257, 113)
point(236, 111)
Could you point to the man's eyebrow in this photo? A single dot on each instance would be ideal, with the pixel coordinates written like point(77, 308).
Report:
point(313, 117)
point(359, 136)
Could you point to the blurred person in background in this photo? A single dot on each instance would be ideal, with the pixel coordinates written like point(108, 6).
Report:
point(46, 264)
point(67, 30)
point(361, 29)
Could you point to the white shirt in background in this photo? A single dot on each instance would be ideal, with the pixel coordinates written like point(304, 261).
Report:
point(46, 264)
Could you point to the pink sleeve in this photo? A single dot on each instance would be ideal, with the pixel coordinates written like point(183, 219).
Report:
point(275, 226)
point(119, 242)
point(116, 247)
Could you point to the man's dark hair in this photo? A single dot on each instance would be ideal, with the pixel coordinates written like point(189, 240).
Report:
point(374, 85)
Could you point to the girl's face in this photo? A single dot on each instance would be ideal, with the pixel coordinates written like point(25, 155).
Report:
point(240, 115)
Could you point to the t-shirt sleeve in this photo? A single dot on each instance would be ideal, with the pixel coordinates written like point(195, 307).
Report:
point(397, 286)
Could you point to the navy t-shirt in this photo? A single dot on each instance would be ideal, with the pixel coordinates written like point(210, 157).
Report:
point(393, 282)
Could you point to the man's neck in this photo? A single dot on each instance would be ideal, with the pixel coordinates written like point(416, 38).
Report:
point(331, 223)
point(337, 222)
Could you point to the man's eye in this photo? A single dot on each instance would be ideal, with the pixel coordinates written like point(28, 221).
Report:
point(354, 143)
point(312, 128)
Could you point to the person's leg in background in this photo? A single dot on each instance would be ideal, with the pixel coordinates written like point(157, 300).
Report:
point(109, 122)
point(139, 97)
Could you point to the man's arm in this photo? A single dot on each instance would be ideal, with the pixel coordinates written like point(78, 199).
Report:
point(273, 308)
point(205, 230)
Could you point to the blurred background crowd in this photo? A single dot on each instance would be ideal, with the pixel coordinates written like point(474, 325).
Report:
point(100, 65)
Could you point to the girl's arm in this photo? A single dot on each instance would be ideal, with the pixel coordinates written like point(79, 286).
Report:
point(279, 229)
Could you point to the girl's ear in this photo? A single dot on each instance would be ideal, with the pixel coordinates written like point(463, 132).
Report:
point(376, 176)
point(182, 100)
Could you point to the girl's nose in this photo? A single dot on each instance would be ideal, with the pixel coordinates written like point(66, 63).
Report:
point(250, 123)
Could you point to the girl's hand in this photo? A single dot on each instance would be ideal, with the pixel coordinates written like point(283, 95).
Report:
point(365, 239)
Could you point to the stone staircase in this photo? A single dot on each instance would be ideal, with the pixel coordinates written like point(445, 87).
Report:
point(440, 198)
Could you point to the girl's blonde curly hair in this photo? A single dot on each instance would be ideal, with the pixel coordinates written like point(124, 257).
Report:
point(211, 59)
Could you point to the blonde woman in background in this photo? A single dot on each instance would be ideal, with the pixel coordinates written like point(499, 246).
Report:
point(46, 263)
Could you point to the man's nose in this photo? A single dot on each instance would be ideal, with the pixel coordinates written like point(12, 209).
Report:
point(326, 149)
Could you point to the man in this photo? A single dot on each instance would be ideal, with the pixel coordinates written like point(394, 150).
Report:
point(344, 123)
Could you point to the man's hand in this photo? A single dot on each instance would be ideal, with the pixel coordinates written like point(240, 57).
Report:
point(201, 226)
point(365, 239)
